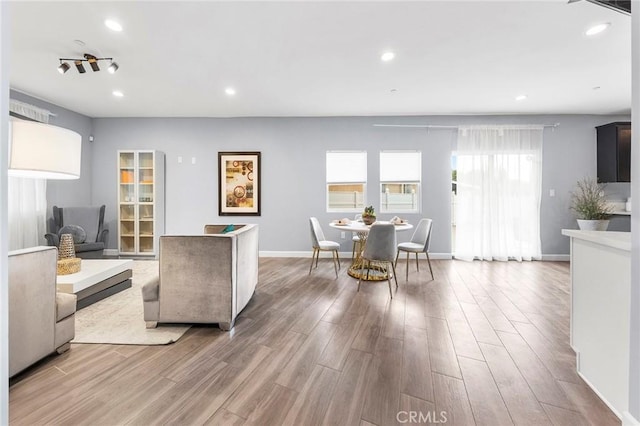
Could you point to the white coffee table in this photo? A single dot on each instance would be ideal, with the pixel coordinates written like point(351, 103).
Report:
point(97, 279)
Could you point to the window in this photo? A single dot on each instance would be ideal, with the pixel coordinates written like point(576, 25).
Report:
point(346, 180)
point(400, 173)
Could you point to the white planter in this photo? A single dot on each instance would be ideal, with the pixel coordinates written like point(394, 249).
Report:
point(593, 225)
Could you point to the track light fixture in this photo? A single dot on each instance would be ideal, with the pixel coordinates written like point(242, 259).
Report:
point(80, 67)
point(113, 67)
point(92, 60)
point(63, 67)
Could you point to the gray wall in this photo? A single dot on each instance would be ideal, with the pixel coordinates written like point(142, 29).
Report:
point(293, 152)
point(67, 192)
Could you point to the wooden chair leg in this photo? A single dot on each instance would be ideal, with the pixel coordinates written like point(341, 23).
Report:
point(368, 268)
point(389, 280)
point(334, 254)
point(338, 258)
point(312, 256)
point(317, 257)
point(407, 266)
point(393, 267)
point(397, 254)
point(417, 265)
point(429, 261)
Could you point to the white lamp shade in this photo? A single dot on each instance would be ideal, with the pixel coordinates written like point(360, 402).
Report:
point(43, 151)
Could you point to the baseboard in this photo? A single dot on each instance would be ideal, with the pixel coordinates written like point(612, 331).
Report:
point(629, 420)
point(606, 402)
point(327, 254)
point(432, 256)
point(555, 258)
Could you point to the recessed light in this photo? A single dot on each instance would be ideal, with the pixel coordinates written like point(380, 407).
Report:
point(597, 29)
point(521, 97)
point(387, 56)
point(113, 25)
point(118, 93)
point(230, 91)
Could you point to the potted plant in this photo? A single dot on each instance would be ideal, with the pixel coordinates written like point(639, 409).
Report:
point(369, 215)
point(590, 205)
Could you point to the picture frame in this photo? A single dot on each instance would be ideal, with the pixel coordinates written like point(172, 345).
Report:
point(239, 183)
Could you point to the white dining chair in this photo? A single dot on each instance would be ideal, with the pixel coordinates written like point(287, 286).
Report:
point(380, 247)
point(419, 244)
point(320, 243)
point(356, 239)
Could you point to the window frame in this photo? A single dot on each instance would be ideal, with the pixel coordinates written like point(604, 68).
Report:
point(418, 183)
point(356, 209)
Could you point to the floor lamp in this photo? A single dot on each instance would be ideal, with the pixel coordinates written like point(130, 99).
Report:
point(42, 151)
point(38, 150)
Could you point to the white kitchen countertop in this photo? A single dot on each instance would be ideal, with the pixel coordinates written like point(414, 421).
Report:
point(618, 240)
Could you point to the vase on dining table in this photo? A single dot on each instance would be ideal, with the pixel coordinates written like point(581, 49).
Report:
point(369, 215)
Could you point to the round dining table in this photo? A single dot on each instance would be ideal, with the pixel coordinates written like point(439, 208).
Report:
point(373, 271)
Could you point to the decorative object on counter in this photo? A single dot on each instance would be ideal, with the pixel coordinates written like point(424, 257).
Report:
point(369, 215)
point(68, 263)
point(343, 221)
point(398, 221)
point(590, 205)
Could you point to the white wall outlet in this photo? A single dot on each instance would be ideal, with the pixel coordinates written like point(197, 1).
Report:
point(343, 235)
point(193, 160)
point(552, 193)
point(179, 160)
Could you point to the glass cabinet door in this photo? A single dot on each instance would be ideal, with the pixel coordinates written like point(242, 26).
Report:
point(127, 198)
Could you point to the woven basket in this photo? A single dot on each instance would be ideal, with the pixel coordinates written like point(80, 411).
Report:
point(69, 266)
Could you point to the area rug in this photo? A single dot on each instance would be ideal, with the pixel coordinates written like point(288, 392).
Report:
point(119, 319)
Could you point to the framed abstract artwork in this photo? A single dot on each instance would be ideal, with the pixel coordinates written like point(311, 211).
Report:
point(239, 183)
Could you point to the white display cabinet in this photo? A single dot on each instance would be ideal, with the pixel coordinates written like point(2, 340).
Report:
point(140, 202)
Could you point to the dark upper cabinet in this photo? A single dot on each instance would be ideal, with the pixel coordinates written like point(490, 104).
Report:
point(614, 152)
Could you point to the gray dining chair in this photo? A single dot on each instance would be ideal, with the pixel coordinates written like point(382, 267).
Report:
point(419, 244)
point(320, 243)
point(380, 247)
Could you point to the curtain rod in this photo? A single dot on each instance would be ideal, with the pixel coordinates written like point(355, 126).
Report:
point(439, 126)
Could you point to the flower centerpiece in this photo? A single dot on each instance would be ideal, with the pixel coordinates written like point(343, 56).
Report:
point(590, 205)
point(369, 215)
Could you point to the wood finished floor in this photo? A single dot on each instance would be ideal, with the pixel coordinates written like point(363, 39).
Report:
point(485, 342)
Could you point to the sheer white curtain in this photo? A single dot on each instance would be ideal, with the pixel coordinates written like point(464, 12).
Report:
point(499, 188)
point(27, 198)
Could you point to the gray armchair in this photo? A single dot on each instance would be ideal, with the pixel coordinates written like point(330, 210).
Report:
point(41, 320)
point(80, 220)
point(203, 278)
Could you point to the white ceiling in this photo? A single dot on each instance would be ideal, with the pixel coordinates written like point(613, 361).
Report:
point(323, 58)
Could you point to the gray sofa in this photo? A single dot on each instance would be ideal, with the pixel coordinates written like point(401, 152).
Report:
point(203, 278)
point(41, 320)
point(89, 221)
